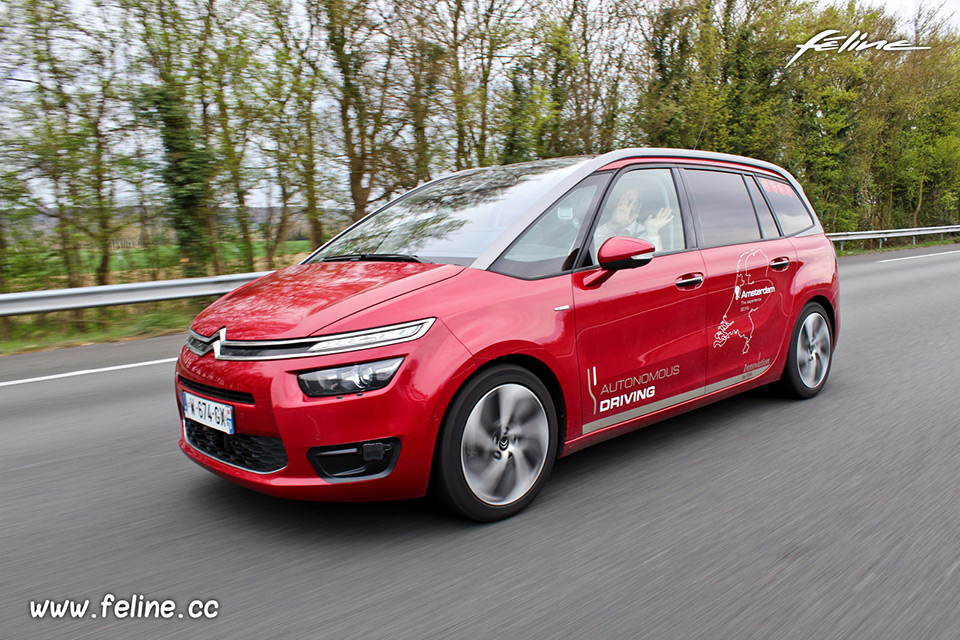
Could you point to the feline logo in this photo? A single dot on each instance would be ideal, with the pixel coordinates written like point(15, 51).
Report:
point(856, 42)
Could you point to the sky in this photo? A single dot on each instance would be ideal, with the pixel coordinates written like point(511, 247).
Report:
point(907, 8)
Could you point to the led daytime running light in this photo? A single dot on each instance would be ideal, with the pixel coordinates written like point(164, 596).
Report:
point(225, 349)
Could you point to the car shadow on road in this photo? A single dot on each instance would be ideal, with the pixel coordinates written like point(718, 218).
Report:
point(377, 521)
point(697, 426)
point(343, 518)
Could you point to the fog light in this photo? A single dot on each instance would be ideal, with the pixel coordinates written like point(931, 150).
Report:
point(356, 461)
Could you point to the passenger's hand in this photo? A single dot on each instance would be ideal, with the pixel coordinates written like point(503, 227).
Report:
point(659, 221)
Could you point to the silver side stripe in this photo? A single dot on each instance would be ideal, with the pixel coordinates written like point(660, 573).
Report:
point(639, 412)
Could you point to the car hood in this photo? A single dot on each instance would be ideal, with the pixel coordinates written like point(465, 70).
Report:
point(301, 300)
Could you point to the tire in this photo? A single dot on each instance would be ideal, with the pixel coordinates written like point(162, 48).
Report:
point(810, 353)
point(488, 470)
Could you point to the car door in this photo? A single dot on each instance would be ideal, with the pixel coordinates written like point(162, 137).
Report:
point(749, 268)
point(640, 331)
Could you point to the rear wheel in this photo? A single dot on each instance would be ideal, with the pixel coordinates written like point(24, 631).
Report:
point(810, 354)
point(498, 444)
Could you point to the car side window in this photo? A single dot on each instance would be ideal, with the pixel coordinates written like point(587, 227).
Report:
point(642, 204)
point(724, 207)
point(549, 245)
point(768, 226)
point(787, 206)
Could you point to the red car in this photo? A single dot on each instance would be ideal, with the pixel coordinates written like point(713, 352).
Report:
point(470, 332)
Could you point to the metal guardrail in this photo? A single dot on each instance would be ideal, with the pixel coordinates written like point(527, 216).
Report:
point(892, 233)
point(13, 304)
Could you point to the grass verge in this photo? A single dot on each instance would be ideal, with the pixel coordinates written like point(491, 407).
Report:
point(23, 334)
point(94, 326)
point(860, 247)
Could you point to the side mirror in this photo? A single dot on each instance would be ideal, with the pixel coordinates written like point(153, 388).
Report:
point(622, 252)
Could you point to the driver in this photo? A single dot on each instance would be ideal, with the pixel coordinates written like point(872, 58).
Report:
point(625, 221)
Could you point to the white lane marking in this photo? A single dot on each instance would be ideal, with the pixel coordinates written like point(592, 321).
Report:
point(87, 371)
point(653, 557)
point(953, 568)
point(926, 255)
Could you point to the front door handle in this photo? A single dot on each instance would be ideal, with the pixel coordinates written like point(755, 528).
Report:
point(690, 281)
point(779, 264)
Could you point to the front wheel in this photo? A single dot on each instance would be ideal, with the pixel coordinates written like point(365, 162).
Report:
point(498, 444)
point(810, 354)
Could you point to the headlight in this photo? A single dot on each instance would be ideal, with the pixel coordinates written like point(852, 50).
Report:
point(354, 378)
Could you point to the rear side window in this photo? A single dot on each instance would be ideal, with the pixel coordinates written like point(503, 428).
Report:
point(787, 206)
point(724, 206)
point(767, 224)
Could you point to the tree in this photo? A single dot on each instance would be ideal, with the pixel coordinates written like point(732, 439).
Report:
point(421, 57)
point(363, 62)
point(189, 162)
point(49, 147)
point(234, 62)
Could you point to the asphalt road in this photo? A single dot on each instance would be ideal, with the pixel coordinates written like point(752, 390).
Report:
point(837, 517)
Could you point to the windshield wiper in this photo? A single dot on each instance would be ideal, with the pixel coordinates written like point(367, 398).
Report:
point(373, 257)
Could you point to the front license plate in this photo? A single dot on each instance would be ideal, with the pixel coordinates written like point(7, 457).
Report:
point(207, 412)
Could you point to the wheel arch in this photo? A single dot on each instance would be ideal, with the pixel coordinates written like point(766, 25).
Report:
point(831, 313)
point(532, 364)
point(540, 369)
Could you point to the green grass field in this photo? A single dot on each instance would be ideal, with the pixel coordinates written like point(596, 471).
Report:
point(44, 269)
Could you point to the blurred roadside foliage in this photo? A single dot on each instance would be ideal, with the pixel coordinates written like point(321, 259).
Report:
point(145, 139)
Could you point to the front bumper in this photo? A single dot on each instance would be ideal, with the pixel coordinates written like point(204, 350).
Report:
point(271, 410)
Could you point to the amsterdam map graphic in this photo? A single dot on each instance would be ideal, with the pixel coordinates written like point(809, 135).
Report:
point(747, 297)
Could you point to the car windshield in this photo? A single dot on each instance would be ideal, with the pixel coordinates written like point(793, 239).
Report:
point(453, 220)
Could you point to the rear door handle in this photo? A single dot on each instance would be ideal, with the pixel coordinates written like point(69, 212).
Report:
point(690, 281)
point(779, 264)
